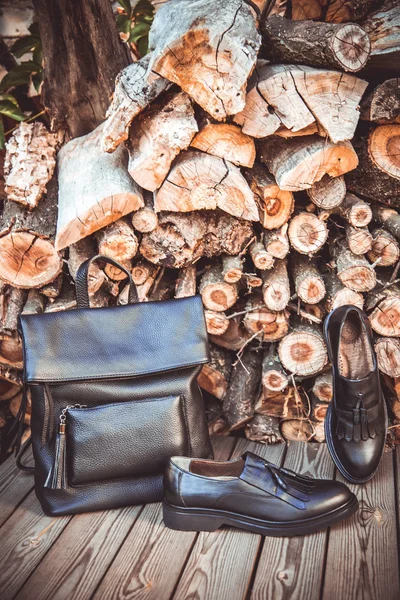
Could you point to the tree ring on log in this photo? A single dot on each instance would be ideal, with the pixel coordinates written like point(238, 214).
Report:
point(351, 46)
point(388, 356)
point(302, 353)
point(384, 149)
point(385, 318)
point(29, 261)
point(307, 233)
point(358, 278)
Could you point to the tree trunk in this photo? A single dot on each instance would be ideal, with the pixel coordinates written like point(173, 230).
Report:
point(83, 38)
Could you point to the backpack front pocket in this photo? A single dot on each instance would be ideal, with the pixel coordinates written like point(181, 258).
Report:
point(124, 439)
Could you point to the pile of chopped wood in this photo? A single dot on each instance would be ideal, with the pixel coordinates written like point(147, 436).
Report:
point(251, 158)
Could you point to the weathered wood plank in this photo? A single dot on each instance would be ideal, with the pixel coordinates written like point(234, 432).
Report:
point(15, 485)
point(221, 562)
point(80, 557)
point(362, 559)
point(152, 556)
point(293, 567)
point(25, 538)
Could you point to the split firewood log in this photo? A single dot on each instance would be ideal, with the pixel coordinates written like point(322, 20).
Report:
point(323, 387)
point(11, 375)
point(282, 405)
point(384, 149)
point(118, 241)
point(216, 322)
point(201, 181)
point(359, 239)
point(28, 258)
point(355, 272)
point(78, 253)
point(355, 211)
point(263, 430)
point(385, 305)
point(275, 205)
point(181, 53)
point(276, 287)
point(382, 106)
point(35, 303)
point(145, 219)
point(232, 268)
point(338, 294)
point(336, 11)
point(12, 301)
point(181, 238)
point(297, 430)
point(217, 295)
point(244, 383)
point(261, 258)
point(214, 376)
point(297, 163)
point(157, 136)
point(270, 325)
point(382, 26)
point(274, 378)
point(29, 163)
point(328, 192)
point(276, 242)
point(52, 289)
point(303, 350)
point(308, 282)
point(345, 47)
point(370, 180)
point(141, 271)
point(385, 248)
point(226, 141)
point(318, 412)
point(136, 87)
point(185, 284)
point(234, 338)
point(307, 233)
point(388, 355)
point(95, 188)
point(309, 130)
point(65, 301)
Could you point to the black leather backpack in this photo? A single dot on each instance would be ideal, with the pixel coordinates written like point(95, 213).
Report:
point(114, 396)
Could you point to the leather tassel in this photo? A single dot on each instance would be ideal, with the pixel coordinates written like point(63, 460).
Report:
point(57, 477)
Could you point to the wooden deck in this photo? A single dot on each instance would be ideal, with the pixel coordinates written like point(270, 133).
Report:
point(128, 553)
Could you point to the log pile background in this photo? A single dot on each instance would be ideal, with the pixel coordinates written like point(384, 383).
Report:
point(251, 157)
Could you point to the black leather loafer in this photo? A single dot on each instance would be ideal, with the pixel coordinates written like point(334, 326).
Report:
point(356, 420)
point(253, 494)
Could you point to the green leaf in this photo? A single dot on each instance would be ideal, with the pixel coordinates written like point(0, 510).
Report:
point(24, 45)
point(143, 45)
point(37, 55)
point(126, 5)
point(37, 79)
point(123, 23)
point(13, 79)
point(2, 136)
point(137, 32)
point(143, 7)
point(9, 97)
point(9, 109)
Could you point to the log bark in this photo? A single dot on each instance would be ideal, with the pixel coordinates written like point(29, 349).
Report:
point(214, 376)
point(78, 253)
point(226, 141)
point(303, 350)
point(240, 397)
point(94, 189)
point(261, 258)
point(217, 295)
point(273, 378)
point(336, 11)
point(28, 256)
point(216, 322)
point(382, 106)
point(359, 239)
point(328, 192)
point(323, 387)
point(275, 205)
point(356, 212)
point(263, 430)
point(297, 163)
point(382, 27)
point(209, 50)
point(276, 242)
point(276, 287)
point(235, 336)
point(389, 219)
point(35, 303)
point(136, 87)
point(338, 294)
point(354, 271)
point(270, 325)
point(12, 302)
point(388, 355)
point(308, 282)
point(145, 219)
point(232, 268)
point(157, 136)
point(345, 47)
point(85, 42)
point(181, 238)
point(307, 233)
point(370, 181)
point(186, 283)
point(29, 163)
point(201, 181)
point(385, 248)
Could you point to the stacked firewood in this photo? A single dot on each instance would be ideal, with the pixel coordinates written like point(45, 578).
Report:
point(251, 157)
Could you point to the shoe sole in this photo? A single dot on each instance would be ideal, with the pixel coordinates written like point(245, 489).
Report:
point(207, 519)
point(332, 451)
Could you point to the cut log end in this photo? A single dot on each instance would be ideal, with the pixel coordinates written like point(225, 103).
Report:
point(351, 46)
point(307, 233)
point(385, 248)
point(385, 318)
point(388, 355)
point(384, 149)
point(302, 353)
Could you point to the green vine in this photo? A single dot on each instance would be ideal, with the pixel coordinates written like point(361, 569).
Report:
point(133, 24)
